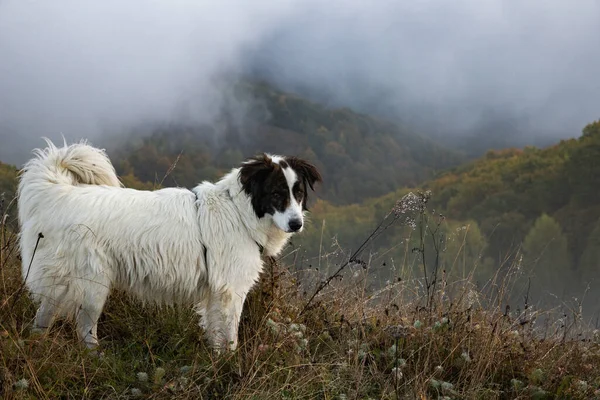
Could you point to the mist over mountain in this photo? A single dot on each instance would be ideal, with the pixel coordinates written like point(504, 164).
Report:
point(359, 156)
point(450, 69)
point(458, 69)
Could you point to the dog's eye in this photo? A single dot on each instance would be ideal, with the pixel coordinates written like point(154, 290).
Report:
point(277, 196)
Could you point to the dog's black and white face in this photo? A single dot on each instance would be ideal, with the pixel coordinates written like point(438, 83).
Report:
point(278, 186)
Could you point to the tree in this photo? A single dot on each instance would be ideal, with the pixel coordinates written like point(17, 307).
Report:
point(589, 266)
point(547, 261)
point(592, 129)
point(583, 170)
point(463, 251)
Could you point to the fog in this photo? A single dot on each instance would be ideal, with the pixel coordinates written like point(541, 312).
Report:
point(82, 68)
point(447, 68)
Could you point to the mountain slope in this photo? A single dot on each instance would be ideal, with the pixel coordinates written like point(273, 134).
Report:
point(505, 191)
point(360, 156)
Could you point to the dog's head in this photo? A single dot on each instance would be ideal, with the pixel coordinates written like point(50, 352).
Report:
point(278, 186)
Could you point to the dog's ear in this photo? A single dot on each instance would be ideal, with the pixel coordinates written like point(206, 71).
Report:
point(253, 174)
point(306, 170)
point(254, 169)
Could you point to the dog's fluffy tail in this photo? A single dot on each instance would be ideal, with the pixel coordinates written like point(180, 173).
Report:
point(74, 165)
point(77, 164)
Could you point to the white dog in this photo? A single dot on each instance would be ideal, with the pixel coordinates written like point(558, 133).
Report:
point(82, 233)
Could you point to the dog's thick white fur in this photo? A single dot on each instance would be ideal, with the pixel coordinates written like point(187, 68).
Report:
point(200, 246)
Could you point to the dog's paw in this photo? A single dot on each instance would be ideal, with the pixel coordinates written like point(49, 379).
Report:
point(216, 351)
point(95, 353)
point(37, 332)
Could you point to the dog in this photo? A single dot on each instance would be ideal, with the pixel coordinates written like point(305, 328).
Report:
point(82, 234)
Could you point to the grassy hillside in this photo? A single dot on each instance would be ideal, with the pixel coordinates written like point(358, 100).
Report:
point(410, 339)
point(360, 156)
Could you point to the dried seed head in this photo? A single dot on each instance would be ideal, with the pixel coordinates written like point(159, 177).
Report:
point(398, 331)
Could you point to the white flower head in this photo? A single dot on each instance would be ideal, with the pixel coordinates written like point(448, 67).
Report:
point(22, 384)
point(142, 376)
point(397, 373)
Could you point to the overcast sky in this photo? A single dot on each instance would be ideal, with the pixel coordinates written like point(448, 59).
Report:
point(82, 68)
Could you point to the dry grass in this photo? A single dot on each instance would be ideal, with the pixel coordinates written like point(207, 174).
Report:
point(403, 340)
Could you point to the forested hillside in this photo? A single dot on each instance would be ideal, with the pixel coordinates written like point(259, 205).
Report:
point(359, 156)
point(538, 208)
point(506, 191)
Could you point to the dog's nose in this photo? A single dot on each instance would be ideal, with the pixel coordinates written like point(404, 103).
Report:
point(295, 225)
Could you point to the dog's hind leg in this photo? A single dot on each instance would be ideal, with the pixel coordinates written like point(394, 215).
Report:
point(49, 288)
point(50, 307)
point(95, 292)
point(200, 309)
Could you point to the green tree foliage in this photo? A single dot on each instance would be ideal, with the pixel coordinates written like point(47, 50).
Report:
point(8, 182)
point(590, 269)
point(505, 232)
point(8, 190)
point(583, 167)
point(464, 249)
point(592, 129)
point(547, 260)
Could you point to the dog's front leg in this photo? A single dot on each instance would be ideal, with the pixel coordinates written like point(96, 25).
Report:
point(232, 318)
point(222, 317)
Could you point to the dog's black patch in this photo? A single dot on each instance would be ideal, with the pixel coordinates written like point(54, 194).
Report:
point(307, 174)
point(264, 181)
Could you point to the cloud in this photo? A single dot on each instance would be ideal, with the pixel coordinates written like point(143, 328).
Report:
point(446, 63)
point(76, 67)
point(81, 67)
